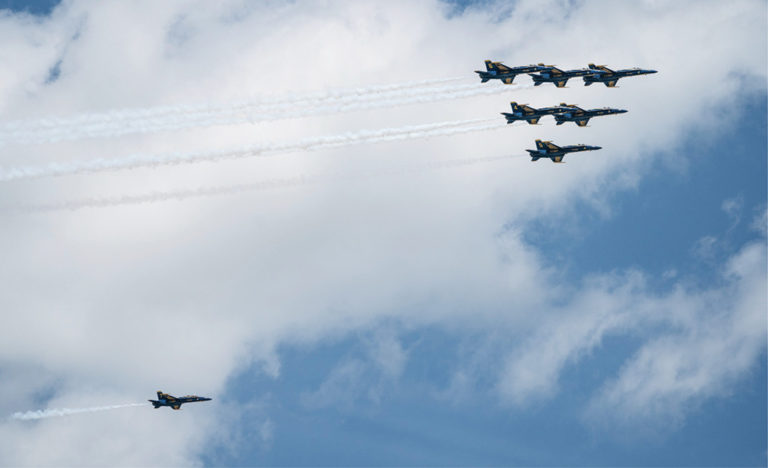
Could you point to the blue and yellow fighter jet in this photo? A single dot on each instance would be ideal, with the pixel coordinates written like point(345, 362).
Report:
point(581, 116)
point(547, 149)
point(163, 399)
point(530, 114)
point(560, 77)
point(499, 71)
point(609, 77)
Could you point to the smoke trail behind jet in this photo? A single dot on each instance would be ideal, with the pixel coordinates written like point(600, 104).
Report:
point(270, 184)
point(158, 111)
point(51, 413)
point(250, 112)
point(309, 144)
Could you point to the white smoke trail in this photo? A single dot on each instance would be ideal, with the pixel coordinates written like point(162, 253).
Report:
point(271, 184)
point(309, 144)
point(133, 114)
point(235, 113)
point(50, 413)
point(249, 112)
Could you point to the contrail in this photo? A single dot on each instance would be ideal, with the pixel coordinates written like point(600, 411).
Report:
point(250, 112)
point(50, 413)
point(132, 114)
point(271, 184)
point(309, 144)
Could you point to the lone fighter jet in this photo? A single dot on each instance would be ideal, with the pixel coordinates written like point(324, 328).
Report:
point(609, 77)
point(499, 71)
point(560, 77)
point(581, 116)
point(163, 399)
point(530, 114)
point(547, 149)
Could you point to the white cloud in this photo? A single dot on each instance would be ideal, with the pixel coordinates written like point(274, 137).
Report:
point(362, 379)
point(760, 221)
point(697, 342)
point(733, 207)
point(673, 372)
point(705, 248)
point(119, 302)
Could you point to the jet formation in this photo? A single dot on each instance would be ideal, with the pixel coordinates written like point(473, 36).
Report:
point(551, 74)
point(164, 399)
point(562, 113)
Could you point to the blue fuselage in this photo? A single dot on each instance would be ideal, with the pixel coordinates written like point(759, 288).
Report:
point(507, 75)
point(614, 76)
point(556, 155)
point(533, 113)
point(581, 116)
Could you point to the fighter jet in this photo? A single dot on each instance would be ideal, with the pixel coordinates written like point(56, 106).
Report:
point(547, 149)
point(576, 114)
point(530, 114)
point(499, 71)
point(609, 77)
point(163, 399)
point(560, 77)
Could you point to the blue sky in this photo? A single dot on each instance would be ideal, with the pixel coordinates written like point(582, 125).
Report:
point(38, 8)
point(662, 219)
point(605, 312)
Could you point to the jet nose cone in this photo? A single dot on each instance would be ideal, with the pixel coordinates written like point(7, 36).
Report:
point(651, 71)
point(621, 111)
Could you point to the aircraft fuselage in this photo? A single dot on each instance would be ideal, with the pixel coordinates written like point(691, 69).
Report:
point(560, 77)
point(610, 78)
point(164, 399)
